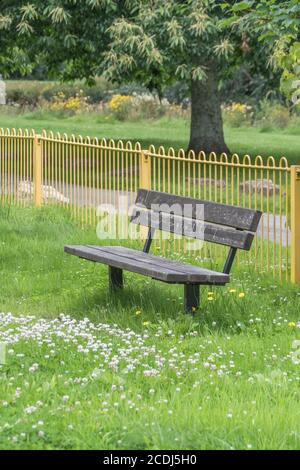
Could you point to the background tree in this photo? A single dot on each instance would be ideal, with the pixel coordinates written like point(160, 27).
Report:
point(153, 42)
point(277, 25)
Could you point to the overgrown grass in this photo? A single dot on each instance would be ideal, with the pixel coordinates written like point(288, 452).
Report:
point(148, 376)
point(166, 132)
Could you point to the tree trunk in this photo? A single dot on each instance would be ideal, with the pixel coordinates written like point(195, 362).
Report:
point(206, 122)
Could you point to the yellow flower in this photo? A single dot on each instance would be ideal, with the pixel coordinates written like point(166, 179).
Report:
point(210, 293)
point(241, 295)
point(138, 312)
point(292, 324)
point(194, 309)
point(146, 323)
point(232, 291)
point(210, 299)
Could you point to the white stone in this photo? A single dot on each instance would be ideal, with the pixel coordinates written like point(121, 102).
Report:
point(49, 193)
point(262, 186)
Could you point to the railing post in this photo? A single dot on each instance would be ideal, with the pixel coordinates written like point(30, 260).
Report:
point(145, 181)
point(37, 170)
point(145, 170)
point(295, 224)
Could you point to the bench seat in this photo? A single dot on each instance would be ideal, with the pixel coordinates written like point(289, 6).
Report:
point(208, 221)
point(147, 264)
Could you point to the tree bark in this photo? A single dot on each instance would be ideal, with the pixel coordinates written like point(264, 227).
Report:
point(206, 120)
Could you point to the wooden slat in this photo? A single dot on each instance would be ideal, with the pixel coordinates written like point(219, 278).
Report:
point(148, 265)
point(155, 260)
point(216, 213)
point(193, 228)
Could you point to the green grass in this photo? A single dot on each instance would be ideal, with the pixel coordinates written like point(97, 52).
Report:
point(221, 379)
point(166, 132)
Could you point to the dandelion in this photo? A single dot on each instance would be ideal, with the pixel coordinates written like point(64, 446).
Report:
point(292, 324)
point(241, 295)
point(232, 291)
point(138, 312)
point(146, 323)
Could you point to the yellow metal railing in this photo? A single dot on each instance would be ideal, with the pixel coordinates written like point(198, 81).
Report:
point(82, 173)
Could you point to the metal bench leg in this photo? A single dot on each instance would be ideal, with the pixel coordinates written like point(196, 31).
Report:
point(191, 297)
point(115, 278)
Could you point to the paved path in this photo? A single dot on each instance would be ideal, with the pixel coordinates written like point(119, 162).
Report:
point(272, 227)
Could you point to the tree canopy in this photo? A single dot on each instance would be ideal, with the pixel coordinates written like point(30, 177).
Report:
point(154, 42)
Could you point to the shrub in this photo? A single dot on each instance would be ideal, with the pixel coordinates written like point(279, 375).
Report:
point(147, 106)
point(22, 97)
point(272, 114)
point(119, 106)
point(144, 106)
point(294, 125)
point(178, 93)
point(280, 116)
point(237, 114)
point(64, 105)
point(129, 89)
point(177, 111)
point(51, 93)
point(93, 94)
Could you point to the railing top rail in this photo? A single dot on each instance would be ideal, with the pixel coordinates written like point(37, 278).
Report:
point(222, 160)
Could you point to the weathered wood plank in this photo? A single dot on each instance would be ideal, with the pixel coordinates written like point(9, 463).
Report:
point(193, 228)
point(216, 213)
point(143, 263)
point(157, 262)
point(177, 266)
point(115, 260)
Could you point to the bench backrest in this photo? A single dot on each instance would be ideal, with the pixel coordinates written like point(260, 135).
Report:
point(210, 221)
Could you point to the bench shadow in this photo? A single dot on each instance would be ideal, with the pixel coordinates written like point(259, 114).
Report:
point(158, 303)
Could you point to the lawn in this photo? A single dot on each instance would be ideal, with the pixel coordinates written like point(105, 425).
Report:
point(85, 369)
point(166, 132)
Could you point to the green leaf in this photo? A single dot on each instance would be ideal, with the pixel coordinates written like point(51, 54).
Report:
point(241, 6)
point(225, 23)
point(224, 6)
point(269, 34)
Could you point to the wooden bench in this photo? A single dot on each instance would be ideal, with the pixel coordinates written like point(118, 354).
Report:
point(217, 223)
